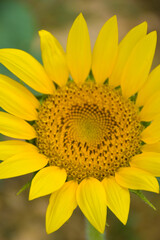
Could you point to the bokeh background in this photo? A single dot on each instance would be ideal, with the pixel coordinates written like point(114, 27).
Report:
point(19, 25)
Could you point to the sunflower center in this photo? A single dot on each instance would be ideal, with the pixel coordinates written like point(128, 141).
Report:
point(90, 131)
point(87, 123)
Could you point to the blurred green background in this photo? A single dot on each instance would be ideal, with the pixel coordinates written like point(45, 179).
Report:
point(19, 25)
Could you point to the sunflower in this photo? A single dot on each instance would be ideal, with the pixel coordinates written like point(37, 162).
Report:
point(93, 132)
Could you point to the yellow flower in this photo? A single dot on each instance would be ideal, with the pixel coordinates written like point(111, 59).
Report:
point(96, 134)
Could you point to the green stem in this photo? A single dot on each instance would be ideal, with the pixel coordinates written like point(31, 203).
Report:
point(92, 233)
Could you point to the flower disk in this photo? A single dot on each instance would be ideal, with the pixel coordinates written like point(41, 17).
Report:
point(89, 130)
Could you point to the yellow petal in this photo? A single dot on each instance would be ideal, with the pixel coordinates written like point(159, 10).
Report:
point(22, 163)
point(54, 59)
point(124, 50)
point(79, 50)
point(155, 147)
point(12, 147)
point(148, 161)
point(46, 181)
point(118, 198)
point(151, 108)
point(134, 178)
point(15, 127)
point(138, 65)
point(17, 100)
point(61, 206)
point(151, 134)
point(27, 68)
point(151, 86)
point(91, 199)
point(105, 50)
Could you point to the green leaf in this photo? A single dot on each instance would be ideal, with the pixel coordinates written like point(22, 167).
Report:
point(145, 124)
point(41, 98)
point(26, 186)
point(141, 195)
point(134, 97)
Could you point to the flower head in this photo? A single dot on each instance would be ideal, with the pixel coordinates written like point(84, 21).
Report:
point(93, 133)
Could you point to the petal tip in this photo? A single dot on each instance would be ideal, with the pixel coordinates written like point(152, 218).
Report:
point(101, 229)
point(30, 198)
point(124, 221)
point(114, 18)
point(144, 25)
point(112, 21)
point(80, 16)
point(42, 31)
point(48, 230)
point(31, 195)
point(152, 36)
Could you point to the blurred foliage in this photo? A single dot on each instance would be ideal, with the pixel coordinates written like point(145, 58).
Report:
point(127, 8)
point(17, 25)
point(123, 232)
point(58, 13)
point(153, 6)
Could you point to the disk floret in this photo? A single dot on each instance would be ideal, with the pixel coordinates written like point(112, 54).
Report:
point(89, 130)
